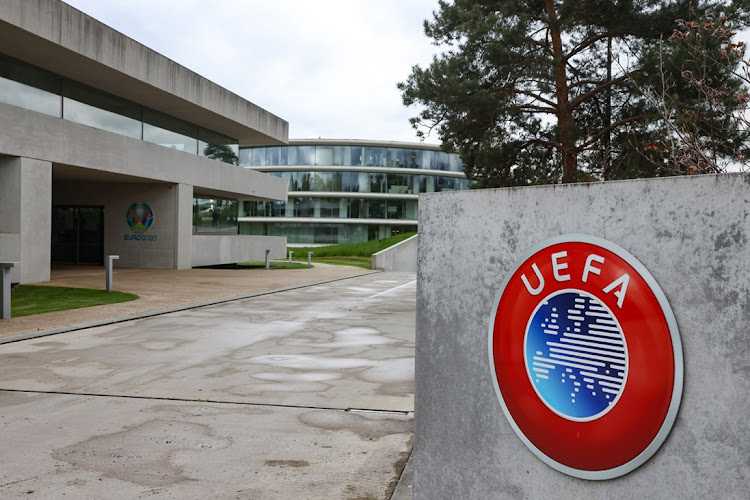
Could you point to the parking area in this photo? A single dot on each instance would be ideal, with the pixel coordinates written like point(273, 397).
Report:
point(306, 393)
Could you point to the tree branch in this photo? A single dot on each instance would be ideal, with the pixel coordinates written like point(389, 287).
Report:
point(596, 90)
point(604, 131)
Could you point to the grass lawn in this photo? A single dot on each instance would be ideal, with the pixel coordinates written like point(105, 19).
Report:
point(348, 254)
point(30, 299)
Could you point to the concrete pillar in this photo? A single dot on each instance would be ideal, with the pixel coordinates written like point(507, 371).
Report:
point(183, 246)
point(26, 217)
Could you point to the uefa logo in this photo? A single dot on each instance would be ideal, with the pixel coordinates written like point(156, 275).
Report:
point(586, 357)
point(139, 217)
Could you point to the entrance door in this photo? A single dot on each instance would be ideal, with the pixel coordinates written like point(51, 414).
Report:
point(78, 235)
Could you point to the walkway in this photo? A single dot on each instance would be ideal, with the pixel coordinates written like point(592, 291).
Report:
point(306, 393)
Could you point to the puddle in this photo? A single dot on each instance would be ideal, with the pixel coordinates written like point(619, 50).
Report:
point(142, 454)
point(368, 428)
point(390, 371)
point(305, 362)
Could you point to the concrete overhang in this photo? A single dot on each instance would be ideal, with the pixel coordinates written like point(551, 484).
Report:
point(54, 36)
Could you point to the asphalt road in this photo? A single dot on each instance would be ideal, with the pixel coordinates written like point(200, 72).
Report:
point(301, 394)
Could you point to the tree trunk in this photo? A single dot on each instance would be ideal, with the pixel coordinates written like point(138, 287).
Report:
point(565, 121)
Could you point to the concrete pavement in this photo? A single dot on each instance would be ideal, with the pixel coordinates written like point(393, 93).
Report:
point(306, 393)
point(160, 290)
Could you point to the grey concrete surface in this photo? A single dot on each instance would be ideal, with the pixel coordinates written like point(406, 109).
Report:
point(229, 249)
point(110, 157)
point(98, 168)
point(691, 233)
point(25, 217)
point(401, 257)
point(160, 291)
point(56, 36)
point(301, 394)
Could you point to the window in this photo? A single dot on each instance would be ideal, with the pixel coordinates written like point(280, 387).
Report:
point(214, 216)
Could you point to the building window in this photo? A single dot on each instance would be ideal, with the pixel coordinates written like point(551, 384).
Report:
point(214, 215)
point(38, 90)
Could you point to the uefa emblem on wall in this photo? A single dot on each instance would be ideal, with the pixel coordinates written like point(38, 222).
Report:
point(586, 357)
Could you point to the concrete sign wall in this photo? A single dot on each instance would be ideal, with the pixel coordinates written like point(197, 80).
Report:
point(137, 246)
point(690, 233)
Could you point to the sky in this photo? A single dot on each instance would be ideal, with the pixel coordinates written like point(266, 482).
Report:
point(328, 67)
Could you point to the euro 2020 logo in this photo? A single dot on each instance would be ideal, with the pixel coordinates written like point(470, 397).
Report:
point(586, 357)
point(140, 217)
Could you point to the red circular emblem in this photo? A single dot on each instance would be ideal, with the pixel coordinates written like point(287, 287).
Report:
point(586, 357)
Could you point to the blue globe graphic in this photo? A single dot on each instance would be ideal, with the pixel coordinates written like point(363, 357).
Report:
point(576, 355)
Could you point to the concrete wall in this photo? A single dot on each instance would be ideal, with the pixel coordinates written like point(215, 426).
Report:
point(64, 40)
point(691, 233)
point(401, 257)
point(25, 217)
point(218, 249)
point(104, 154)
point(159, 248)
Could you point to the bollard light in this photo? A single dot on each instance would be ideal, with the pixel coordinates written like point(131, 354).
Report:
point(309, 259)
point(268, 262)
point(108, 263)
point(5, 288)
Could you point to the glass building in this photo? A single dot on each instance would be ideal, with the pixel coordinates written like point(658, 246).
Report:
point(346, 191)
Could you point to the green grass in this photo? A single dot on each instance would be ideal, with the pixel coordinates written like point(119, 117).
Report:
point(30, 299)
point(348, 254)
point(274, 264)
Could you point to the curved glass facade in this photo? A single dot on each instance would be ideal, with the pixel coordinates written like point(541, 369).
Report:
point(359, 184)
point(350, 156)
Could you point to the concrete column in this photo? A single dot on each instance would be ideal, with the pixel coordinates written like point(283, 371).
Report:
point(183, 226)
point(26, 217)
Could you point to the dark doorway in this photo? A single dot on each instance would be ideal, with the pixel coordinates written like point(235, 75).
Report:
point(78, 235)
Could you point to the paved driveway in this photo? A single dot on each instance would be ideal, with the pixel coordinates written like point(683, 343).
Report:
point(302, 394)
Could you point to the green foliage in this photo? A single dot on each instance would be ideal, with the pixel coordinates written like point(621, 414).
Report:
point(528, 92)
point(707, 69)
point(348, 254)
point(363, 249)
point(32, 299)
point(221, 152)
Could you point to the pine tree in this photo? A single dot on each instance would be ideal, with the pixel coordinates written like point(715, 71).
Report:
point(528, 93)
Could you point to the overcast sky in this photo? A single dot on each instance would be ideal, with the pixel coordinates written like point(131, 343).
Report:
point(328, 67)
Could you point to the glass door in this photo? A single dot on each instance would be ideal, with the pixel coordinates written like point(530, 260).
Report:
point(78, 235)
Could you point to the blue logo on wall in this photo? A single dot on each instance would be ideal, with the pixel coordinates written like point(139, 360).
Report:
point(140, 217)
point(576, 355)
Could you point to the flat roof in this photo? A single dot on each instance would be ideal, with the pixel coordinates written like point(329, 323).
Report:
point(364, 142)
point(54, 36)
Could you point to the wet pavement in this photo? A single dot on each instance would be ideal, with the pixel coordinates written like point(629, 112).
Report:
point(306, 393)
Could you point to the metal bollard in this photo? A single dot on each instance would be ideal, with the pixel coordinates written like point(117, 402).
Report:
point(309, 259)
point(108, 264)
point(268, 262)
point(5, 288)
point(290, 255)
